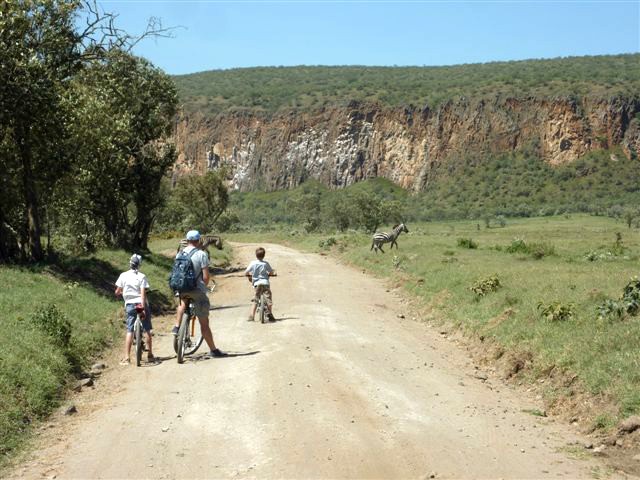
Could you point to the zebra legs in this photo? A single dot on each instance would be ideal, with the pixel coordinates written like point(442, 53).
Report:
point(376, 247)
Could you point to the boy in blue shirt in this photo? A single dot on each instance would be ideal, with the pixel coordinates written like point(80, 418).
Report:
point(258, 273)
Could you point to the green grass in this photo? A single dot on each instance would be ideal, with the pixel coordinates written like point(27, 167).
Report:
point(604, 354)
point(34, 368)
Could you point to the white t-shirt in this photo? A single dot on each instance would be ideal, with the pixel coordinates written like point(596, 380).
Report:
point(132, 282)
point(259, 270)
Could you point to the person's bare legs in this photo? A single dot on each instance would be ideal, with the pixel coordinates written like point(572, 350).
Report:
point(149, 345)
point(128, 340)
point(179, 311)
point(206, 332)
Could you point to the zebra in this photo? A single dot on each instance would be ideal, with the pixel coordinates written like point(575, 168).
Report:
point(380, 239)
point(205, 241)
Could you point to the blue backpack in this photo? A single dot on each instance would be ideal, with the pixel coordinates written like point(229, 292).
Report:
point(183, 277)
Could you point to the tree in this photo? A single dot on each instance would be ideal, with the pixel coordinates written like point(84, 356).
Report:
point(122, 113)
point(38, 52)
point(629, 214)
point(43, 46)
point(307, 205)
point(339, 211)
point(367, 210)
point(200, 200)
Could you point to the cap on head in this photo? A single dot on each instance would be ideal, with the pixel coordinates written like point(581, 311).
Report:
point(135, 260)
point(193, 235)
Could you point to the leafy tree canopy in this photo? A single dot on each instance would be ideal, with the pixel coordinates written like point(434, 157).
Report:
point(305, 88)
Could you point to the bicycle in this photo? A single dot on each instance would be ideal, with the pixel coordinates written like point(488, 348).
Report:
point(189, 337)
point(262, 308)
point(137, 334)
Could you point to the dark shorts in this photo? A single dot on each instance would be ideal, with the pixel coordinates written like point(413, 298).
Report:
point(130, 309)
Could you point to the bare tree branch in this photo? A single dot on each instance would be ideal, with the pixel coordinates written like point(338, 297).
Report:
point(102, 34)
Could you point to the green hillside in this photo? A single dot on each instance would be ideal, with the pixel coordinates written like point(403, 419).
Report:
point(511, 185)
point(269, 89)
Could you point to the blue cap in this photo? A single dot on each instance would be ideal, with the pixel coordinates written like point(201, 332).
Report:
point(135, 260)
point(193, 235)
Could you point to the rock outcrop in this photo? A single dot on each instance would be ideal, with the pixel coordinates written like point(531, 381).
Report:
point(342, 145)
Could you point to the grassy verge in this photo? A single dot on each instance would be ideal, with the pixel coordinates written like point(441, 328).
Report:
point(56, 319)
point(571, 262)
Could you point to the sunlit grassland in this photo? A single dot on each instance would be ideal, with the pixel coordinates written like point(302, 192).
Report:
point(604, 354)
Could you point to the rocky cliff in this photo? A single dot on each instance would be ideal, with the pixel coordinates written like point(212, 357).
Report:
point(342, 145)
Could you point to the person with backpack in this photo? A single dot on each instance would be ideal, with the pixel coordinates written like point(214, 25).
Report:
point(190, 277)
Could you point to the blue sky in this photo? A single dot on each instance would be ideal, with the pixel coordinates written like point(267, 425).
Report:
point(228, 34)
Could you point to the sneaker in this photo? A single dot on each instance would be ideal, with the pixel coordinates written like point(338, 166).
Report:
point(174, 330)
point(125, 361)
point(271, 317)
point(217, 353)
point(250, 319)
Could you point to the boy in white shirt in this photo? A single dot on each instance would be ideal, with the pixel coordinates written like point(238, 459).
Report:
point(133, 286)
point(258, 273)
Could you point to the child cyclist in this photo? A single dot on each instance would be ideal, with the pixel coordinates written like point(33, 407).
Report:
point(258, 273)
point(133, 286)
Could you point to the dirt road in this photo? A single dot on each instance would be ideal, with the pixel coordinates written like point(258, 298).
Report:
point(339, 387)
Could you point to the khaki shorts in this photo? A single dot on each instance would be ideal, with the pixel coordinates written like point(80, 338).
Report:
point(201, 304)
point(260, 289)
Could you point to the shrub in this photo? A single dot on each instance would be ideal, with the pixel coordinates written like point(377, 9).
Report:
point(486, 285)
point(328, 243)
point(594, 255)
point(618, 247)
point(467, 243)
point(518, 245)
point(54, 323)
point(627, 304)
point(556, 311)
point(540, 250)
point(536, 250)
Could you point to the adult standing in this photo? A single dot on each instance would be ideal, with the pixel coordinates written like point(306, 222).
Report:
point(200, 262)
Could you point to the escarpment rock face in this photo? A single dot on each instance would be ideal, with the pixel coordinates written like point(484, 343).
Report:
point(342, 145)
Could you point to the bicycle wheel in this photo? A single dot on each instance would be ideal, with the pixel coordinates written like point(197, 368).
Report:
point(137, 336)
point(194, 336)
point(183, 331)
point(262, 305)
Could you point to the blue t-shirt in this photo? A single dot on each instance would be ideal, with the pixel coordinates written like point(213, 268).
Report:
point(259, 270)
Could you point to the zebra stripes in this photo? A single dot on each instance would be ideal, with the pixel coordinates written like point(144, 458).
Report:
point(380, 239)
point(205, 241)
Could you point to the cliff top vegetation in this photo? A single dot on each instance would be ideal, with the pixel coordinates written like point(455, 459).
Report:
point(306, 88)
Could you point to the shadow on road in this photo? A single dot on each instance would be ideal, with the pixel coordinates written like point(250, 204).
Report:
point(227, 307)
point(282, 319)
point(205, 356)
